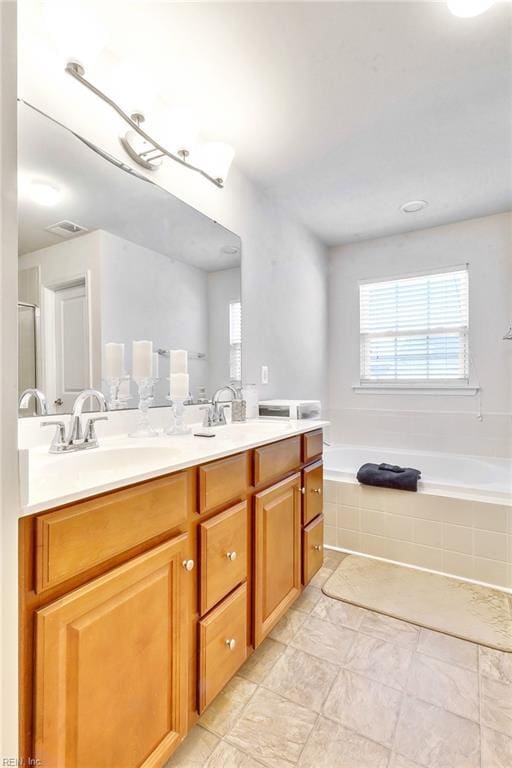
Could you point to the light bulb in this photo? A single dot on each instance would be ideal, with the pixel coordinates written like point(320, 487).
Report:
point(132, 89)
point(181, 129)
point(43, 194)
point(469, 8)
point(76, 30)
point(215, 158)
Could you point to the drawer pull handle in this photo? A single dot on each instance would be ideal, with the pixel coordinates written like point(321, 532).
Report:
point(317, 547)
point(317, 490)
point(231, 643)
point(231, 556)
point(188, 565)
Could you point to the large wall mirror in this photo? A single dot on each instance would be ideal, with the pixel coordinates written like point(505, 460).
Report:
point(106, 256)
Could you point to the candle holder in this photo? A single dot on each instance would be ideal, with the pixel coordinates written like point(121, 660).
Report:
point(144, 428)
point(178, 408)
point(116, 400)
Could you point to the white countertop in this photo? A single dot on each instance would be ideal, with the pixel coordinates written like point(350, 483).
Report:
point(50, 480)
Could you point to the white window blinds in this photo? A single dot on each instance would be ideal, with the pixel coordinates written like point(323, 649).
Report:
point(415, 329)
point(235, 341)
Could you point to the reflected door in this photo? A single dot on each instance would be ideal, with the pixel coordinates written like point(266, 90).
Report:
point(72, 345)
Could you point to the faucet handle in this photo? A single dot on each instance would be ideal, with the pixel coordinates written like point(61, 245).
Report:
point(59, 439)
point(90, 431)
point(208, 420)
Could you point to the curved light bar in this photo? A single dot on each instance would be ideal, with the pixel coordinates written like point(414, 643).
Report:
point(77, 71)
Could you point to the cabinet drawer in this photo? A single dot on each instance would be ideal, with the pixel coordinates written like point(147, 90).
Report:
point(223, 554)
point(312, 445)
point(222, 645)
point(312, 548)
point(223, 481)
point(313, 485)
point(70, 541)
point(275, 460)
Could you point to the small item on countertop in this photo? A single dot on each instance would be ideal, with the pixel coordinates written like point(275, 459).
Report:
point(204, 433)
point(371, 474)
point(391, 467)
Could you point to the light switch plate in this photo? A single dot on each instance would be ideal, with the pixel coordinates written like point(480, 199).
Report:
point(264, 374)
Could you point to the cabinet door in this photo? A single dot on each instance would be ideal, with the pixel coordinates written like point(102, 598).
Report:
point(277, 553)
point(313, 492)
point(111, 660)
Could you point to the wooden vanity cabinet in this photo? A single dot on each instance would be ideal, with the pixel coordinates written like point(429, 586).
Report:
point(110, 661)
point(121, 645)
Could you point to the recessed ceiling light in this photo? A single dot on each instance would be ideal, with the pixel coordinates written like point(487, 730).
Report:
point(44, 194)
point(229, 250)
point(413, 206)
point(468, 8)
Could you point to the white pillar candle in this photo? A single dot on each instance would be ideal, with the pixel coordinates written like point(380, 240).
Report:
point(179, 361)
point(142, 359)
point(114, 360)
point(155, 365)
point(179, 386)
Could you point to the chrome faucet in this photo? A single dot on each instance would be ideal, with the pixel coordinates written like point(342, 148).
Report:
point(214, 413)
point(76, 438)
point(39, 397)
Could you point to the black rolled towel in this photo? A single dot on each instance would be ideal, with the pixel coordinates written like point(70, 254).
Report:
point(372, 474)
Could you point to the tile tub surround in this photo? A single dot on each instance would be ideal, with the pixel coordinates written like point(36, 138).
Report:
point(468, 538)
point(397, 697)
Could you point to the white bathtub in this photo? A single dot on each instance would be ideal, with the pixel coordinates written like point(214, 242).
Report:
point(439, 471)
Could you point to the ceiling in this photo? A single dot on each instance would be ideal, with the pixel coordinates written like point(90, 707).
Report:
point(341, 110)
point(96, 194)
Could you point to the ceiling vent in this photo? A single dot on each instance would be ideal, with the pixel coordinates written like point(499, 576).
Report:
point(66, 229)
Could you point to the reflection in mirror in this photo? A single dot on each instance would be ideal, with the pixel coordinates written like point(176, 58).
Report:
point(108, 257)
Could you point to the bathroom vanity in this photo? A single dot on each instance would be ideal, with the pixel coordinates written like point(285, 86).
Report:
point(139, 604)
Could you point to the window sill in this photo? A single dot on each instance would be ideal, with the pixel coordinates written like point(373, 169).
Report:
point(415, 389)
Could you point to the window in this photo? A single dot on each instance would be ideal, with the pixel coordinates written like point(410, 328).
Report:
point(415, 329)
point(235, 341)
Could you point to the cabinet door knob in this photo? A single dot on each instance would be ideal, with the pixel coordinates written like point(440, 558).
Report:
point(188, 565)
point(231, 556)
point(317, 490)
point(303, 491)
point(231, 643)
point(317, 547)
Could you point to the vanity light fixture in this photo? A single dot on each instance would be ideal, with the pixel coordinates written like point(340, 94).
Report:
point(413, 206)
point(216, 157)
point(469, 8)
point(42, 193)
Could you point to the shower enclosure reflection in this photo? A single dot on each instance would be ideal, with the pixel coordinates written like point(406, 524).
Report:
point(115, 258)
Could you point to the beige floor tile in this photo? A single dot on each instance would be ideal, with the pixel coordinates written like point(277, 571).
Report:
point(434, 738)
point(324, 640)
point(496, 749)
point(392, 630)
point(227, 706)
point(195, 750)
point(339, 613)
point(445, 685)
point(399, 761)
point(496, 664)
point(227, 756)
point(333, 746)
point(272, 729)
point(286, 628)
point(302, 678)
point(321, 577)
point(369, 708)
point(387, 663)
point(332, 558)
point(449, 648)
point(308, 599)
point(496, 705)
point(259, 664)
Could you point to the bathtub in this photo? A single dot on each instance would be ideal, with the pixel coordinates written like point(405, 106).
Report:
point(460, 522)
point(438, 470)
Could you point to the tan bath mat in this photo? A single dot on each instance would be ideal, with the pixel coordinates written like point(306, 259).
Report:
point(479, 614)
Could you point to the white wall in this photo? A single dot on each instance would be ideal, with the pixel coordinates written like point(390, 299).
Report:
point(8, 384)
point(441, 422)
point(223, 288)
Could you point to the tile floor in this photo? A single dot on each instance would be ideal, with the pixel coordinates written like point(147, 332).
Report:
point(336, 686)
